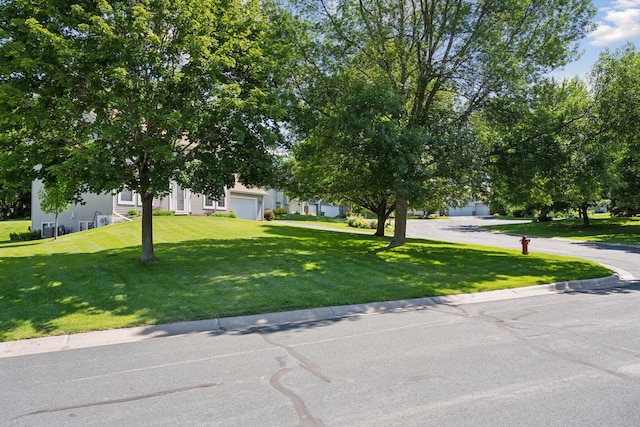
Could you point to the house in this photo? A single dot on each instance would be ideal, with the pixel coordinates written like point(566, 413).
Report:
point(103, 209)
point(277, 199)
point(471, 209)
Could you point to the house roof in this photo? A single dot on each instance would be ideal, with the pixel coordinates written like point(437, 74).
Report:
point(241, 189)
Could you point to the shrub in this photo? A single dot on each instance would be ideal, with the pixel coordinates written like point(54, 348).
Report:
point(162, 212)
point(25, 236)
point(132, 212)
point(279, 211)
point(223, 214)
point(268, 215)
point(358, 222)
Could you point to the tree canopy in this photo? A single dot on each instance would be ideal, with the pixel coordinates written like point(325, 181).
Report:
point(546, 149)
point(134, 94)
point(442, 59)
point(616, 78)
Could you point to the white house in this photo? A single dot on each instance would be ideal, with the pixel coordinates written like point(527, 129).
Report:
point(103, 209)
point(471, 209)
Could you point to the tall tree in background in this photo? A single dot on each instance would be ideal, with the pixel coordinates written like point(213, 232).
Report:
point(616, 78)
point(546, 150)
point(15, 177)
point(430, 52)
point(133, 94)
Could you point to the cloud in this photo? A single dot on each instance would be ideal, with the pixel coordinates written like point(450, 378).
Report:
point(621, 21)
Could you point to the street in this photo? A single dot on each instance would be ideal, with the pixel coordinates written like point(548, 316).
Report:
point(570, 359)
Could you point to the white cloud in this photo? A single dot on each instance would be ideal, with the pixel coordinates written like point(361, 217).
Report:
point(620, 22)
point(625, 4)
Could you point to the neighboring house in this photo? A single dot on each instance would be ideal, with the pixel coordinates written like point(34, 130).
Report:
point(471, 209)
point(103, 209)
point(277, 199)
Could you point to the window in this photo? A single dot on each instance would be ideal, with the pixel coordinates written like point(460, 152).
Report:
point(47, 229)
point(85, 225)
point(126, 197)
point(209, 203)
point(222, 203)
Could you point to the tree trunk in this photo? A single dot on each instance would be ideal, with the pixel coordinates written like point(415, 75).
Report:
point(147, 229)
point(382, 215)
point(55, 228)
point(585, 216)
point(382, 219)
point(400, 228)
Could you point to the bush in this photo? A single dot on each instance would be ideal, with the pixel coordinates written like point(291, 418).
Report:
point(162, 212)
point(359, 222)
point(132, 212)
point(25, 236)
point(268, 215)
point(279, 211)
point(223, 214)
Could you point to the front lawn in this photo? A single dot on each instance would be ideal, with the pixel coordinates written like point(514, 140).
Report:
point(218, 267)
point(13, 226)
point(610, 230)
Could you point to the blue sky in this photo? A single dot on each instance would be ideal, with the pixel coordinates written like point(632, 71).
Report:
point(618, 22)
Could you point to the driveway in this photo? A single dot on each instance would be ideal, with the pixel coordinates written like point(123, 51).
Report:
point(623, 258)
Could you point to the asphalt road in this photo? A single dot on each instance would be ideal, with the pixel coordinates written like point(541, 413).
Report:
point(570, 359)
point(467, 230)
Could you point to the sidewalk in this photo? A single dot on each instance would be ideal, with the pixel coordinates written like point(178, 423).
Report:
point(281, 320)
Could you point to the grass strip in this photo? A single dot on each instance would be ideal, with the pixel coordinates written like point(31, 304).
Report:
point(607, 230)
point(218, 267)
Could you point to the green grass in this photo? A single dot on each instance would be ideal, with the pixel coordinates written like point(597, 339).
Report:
point(13, 226)
point(325, 221)
point(602, 229)
point(218, 267)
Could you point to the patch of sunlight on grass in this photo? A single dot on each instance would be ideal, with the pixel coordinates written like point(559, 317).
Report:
point(310, 266)
point(220, 267)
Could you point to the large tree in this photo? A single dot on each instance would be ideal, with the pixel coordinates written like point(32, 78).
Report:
point(616, 78)
point(459, 50)
point(547, 152)
point(136, 93)
point(15, 177)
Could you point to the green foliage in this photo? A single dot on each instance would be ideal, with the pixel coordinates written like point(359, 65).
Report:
point(358, 222)
point(132, 212)
point(616, 78)
point(163, 212)
point(25, 236)
point(269, 215)
point(396, 85)
point(279, 211)
point(223, 214)
point(123, 94)
point(547, 153)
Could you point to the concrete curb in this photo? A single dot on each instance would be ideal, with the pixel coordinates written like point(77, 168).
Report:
point(247, 324)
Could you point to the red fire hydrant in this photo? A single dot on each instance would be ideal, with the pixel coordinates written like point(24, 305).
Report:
point(525, 245)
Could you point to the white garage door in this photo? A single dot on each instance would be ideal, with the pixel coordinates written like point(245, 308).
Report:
point(244, 207)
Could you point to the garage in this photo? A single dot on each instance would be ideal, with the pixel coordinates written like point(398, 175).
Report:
point(245, 207)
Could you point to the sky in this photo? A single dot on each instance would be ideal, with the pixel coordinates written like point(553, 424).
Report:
point(618, 22)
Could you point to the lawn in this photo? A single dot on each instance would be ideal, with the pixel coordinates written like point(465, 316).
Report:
point(609, 230)
point(217, 267)
point(13, 226)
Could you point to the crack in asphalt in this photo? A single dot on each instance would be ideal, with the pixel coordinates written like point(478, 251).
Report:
point(122, 400)
point(307, 364)
point(514, 330)
point(304, 414)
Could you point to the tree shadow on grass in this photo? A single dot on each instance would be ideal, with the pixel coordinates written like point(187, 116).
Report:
point(287, 269)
